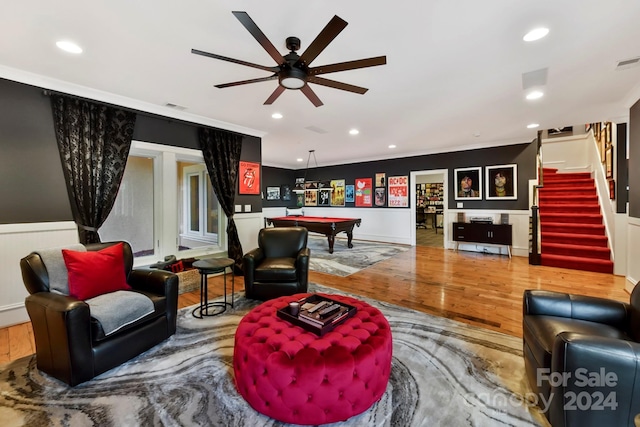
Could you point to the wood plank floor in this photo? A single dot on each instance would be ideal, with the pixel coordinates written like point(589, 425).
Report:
point(480, 289)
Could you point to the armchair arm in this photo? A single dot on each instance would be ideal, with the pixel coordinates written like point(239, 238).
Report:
point(159, 282)
point(61, 328)
point(592, 366)
point(302, 269)
point(249, 263)
point(598, 310)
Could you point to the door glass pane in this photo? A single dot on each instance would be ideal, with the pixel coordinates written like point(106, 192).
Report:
point(194, 203)
point(131, 218)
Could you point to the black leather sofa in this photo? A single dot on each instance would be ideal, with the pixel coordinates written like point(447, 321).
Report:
point(69, 343)
point(582, 357)
point(279, 265)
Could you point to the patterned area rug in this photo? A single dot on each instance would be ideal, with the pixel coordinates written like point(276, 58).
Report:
point(344, 261)
point(444, 373)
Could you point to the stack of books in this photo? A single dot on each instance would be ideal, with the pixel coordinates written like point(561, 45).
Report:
point(322, 313)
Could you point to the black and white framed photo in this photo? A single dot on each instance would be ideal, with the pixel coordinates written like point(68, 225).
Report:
point(468, 183)
point(273, 193)
point(285, 192)
point(502, 182)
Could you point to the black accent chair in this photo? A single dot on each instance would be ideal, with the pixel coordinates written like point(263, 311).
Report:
point(69, 342)
point(586, 339)
point(279, 265)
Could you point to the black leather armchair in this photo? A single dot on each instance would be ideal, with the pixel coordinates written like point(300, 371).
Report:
point(69, 345)
point(279, 265)
point(582, 357)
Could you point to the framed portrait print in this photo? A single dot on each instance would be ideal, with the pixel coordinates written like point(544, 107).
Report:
point(273, 193)
point(502, 182)
point(608, 161)
point(249, 178)
point(468, 183)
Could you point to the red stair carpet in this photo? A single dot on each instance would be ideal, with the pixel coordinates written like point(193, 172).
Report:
point(573, 234)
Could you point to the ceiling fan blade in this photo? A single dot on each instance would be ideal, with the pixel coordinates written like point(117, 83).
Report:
point(309, 93)
point(276, 93)
point(349, 65)
point(337, 85)
point(236, 61)
point(257, 34)
point(328, 33)
point(244, 82)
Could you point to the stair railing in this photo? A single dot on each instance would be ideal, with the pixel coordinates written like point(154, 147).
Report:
point(535, 249)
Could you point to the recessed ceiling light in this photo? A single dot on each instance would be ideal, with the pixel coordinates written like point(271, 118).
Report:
point(392, 146)
point(535, 34)
point(68, 46)
point(532, 126)
point(276, 115)
point(354, 132)
point(299, 159)
point(536, 94)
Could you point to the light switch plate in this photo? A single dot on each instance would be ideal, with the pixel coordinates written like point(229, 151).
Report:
point(238, 208)
point(247, 208)
point(459, 205)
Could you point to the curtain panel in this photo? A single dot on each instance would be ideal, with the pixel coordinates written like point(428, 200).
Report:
point(221, 152)
point(94, 142)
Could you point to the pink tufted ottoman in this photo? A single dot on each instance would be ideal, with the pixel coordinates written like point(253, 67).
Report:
point(295, 376)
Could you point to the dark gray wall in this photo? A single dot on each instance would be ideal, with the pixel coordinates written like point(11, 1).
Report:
point(521, 154)
point(622, 172)
point(32, 187)
point(634, 160)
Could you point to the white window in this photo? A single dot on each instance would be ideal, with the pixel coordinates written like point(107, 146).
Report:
point(166, 205)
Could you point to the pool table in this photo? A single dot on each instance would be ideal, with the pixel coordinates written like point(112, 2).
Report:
point(327, 226)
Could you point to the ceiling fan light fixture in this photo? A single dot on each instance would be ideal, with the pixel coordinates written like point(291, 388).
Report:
point(292, 78)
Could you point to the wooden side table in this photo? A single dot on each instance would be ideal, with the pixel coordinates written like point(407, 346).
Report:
point(213, 266)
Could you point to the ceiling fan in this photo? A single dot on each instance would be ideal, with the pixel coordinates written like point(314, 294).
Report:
point(293, 71)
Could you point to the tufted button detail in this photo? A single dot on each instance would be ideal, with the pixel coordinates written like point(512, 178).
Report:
point(270, 354)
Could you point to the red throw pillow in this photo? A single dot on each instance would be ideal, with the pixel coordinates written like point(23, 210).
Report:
point(95, 273)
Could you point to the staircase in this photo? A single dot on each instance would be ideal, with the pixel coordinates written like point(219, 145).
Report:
point(572, 232)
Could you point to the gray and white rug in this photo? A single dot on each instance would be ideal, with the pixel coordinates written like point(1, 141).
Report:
point(344, 261)
point(444, 373)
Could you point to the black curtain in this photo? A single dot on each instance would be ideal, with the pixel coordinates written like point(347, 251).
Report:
point(221, 152)
point(94, 142)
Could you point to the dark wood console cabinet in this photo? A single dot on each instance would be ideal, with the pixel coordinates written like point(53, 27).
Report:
point(493, 234)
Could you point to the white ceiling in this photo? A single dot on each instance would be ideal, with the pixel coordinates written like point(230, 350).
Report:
point(453, 78)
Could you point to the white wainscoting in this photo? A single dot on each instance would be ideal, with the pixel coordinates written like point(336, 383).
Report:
point(17, 241)
point(248, 226)
point(378, 224)
point(633, 253)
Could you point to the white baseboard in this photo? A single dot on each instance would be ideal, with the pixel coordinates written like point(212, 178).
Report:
point(13, 314)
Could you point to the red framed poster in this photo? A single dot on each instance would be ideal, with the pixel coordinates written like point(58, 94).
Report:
point(398, 191)
point(364, 189)
point(249, 178)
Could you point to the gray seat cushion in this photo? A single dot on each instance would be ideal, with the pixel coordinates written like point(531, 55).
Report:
point(116, 310)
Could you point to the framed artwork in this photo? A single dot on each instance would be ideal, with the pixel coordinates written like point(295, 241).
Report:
point(311, 198)
point(398, 187)
point(349, 193)
point(285, 192)
point(608, 161)
point(502, 182)
point(380, 196)
point(380, 180)
point(249, 174)
point(337, 192)
point(468, 183)
point(324, 197)
point(299, 186)
point(273, 193)
point(612, 189)
point(300, 199)
point(363, 192)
